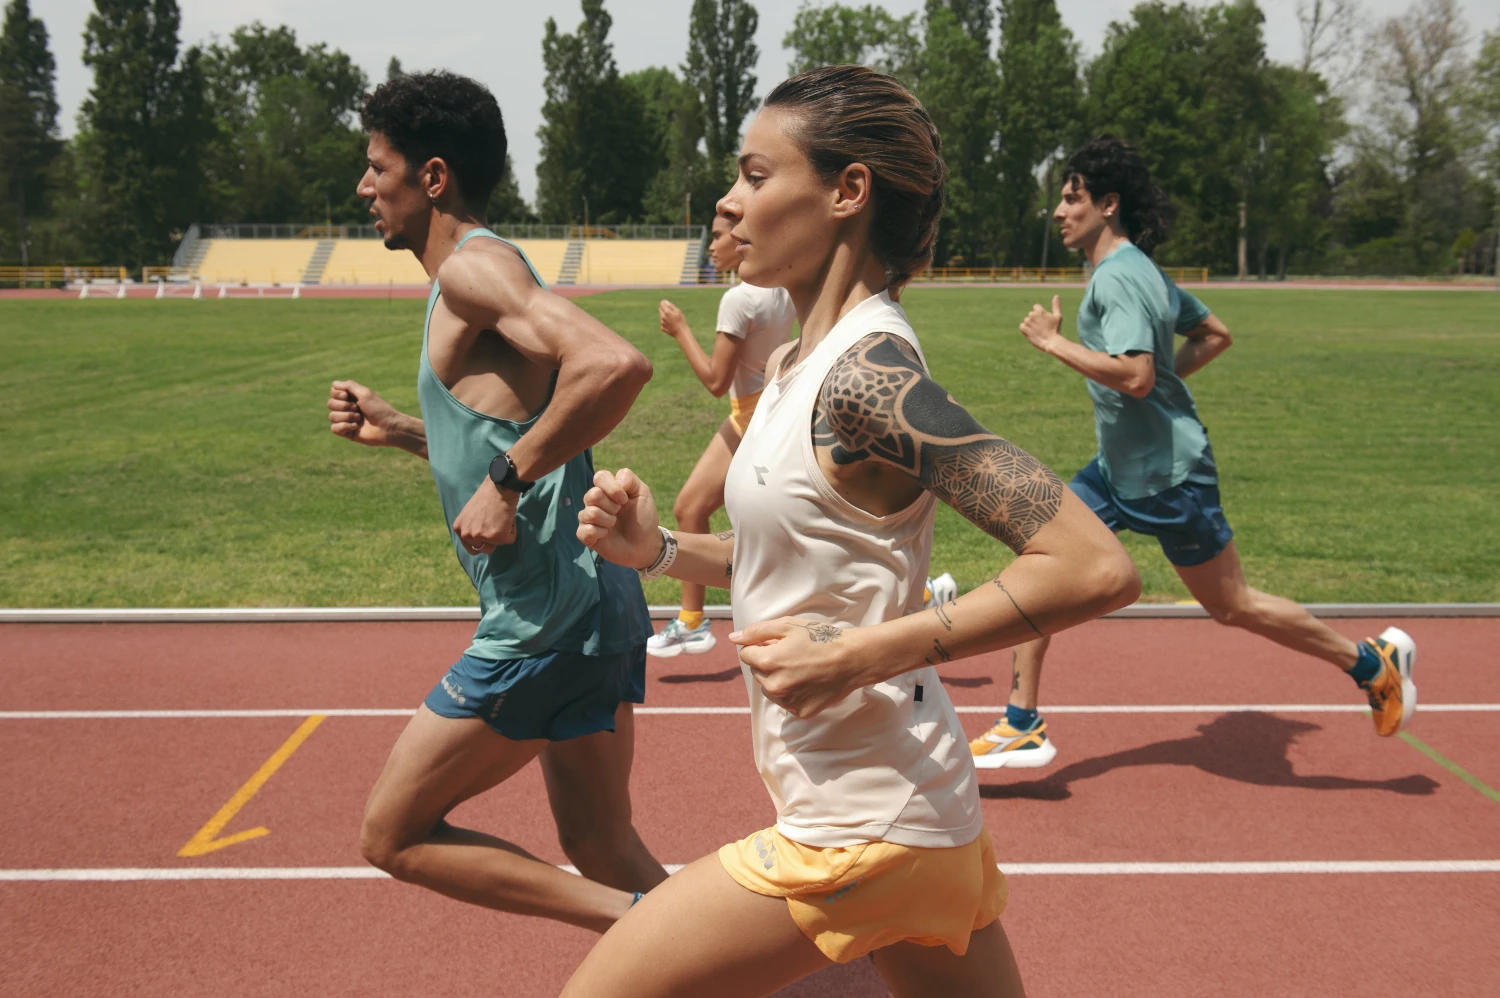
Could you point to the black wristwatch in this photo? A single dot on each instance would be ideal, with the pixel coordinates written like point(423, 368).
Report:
point(503, 474)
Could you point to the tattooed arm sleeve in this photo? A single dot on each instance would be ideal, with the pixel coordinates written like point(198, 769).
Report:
point(879, 404)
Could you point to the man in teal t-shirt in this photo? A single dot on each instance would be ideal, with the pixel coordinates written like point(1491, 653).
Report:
point(1155, 472)
point(516, 384)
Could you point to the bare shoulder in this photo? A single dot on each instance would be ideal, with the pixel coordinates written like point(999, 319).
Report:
point(487, 275)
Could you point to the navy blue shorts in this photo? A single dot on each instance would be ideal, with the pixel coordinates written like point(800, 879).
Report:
point(1186, 519)
point(558, 695)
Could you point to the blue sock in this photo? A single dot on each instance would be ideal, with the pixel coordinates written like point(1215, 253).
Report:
point(1367, 666)
point(1020, 718)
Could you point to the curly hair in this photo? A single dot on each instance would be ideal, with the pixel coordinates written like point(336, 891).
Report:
point(445, 116)
point(1109, 165)
point(853, 114)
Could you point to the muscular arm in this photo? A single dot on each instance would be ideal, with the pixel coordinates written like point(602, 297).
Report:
point(879, 405)
point(1201, 344)
point(599, 375)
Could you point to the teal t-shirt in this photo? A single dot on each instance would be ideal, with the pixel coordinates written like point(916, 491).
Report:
point(547, 591)
point(1146, 445)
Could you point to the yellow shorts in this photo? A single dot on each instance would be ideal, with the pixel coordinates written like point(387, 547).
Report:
point(741, 409)
point(852, 901)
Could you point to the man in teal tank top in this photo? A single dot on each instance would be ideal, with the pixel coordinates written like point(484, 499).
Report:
point(1155, 472)
point(515, 384)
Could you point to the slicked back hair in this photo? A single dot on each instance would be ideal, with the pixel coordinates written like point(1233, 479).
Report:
point(853, 114)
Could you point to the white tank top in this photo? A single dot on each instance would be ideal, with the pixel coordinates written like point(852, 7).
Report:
point(879, 765)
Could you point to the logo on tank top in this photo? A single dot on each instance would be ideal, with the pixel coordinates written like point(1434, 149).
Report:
point(760, 474)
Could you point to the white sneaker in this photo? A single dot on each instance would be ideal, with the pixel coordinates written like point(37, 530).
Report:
point(940, 590)
point(677, 638)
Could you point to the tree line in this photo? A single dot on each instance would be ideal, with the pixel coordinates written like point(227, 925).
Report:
point(1376, 151)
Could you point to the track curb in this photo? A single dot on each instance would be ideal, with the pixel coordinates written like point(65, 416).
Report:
point(327, 614)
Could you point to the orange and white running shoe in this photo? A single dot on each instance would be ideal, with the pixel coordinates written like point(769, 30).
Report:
point(1392, 694)
point(1004, 747)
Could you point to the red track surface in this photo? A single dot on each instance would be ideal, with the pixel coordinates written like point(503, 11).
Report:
point(1126, 788)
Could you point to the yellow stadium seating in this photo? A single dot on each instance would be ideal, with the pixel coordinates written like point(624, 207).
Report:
point(634, 261)
point(367, 261)
point(255, 261)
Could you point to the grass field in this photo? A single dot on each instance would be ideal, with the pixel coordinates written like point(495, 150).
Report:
point(177, 454)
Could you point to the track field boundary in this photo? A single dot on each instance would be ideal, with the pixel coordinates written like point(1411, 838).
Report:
point(1166, 708)
point(313, 614)
point(1250, 868)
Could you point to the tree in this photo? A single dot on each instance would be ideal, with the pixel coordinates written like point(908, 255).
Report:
point(836, 35)
point(28, 117)
point(143, 129)
point(393, 69)
point(1039, 98)
point(684, 185)
point(1421, 79)
point(506, 203)
point(958, 85)
point(597, 148)
point(287, 146)
point(1331, 43)
point(721, 58)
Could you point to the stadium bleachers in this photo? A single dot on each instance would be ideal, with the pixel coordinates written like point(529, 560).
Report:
point(634, 261)
point(256, 261)
point(311, 259)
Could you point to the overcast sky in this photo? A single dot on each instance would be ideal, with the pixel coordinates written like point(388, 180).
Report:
point(500, 43)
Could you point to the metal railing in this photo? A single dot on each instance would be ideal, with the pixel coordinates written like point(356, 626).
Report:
point(1038, 275)
point(302, 230)
point(57, 276)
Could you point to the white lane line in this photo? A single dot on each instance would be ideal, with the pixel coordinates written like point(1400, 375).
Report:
point(1168, 708)
point(1254, 868)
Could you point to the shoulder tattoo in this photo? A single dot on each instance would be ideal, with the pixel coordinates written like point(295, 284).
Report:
point(878, 403)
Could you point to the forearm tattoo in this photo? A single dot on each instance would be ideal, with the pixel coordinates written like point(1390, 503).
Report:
point(1029, 623)
point(878, 403)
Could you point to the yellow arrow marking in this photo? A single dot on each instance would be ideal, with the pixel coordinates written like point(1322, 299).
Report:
point(206, 840)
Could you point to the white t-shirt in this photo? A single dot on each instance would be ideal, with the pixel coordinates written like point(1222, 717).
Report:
point(890, 762)
point(763, 318)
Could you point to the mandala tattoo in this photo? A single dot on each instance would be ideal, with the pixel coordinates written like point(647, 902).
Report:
point(878, 403)
point(822, 633)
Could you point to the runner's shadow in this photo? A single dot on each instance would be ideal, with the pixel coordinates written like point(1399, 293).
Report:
point(966, 681)
point(1245, 746)
point(703, 677)
point(855, 979)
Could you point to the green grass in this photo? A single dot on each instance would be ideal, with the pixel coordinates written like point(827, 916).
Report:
point(176, 453)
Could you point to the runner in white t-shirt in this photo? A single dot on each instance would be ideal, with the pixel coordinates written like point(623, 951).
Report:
point(879, 845)
point(753, 322)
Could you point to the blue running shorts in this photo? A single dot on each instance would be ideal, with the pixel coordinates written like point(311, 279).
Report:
point(558, 695)
point(1186, 519)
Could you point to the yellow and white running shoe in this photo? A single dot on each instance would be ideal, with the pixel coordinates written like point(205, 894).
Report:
point(1004, 747)
point(1392, 694)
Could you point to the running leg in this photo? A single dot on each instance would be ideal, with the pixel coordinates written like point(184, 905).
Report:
point(437, 764)
point(1219, 584)
point(588, 785)
point(987, 970)
point(701, 495)
point(699, 933)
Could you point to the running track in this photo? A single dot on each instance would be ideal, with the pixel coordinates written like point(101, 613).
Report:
point(1307, 785)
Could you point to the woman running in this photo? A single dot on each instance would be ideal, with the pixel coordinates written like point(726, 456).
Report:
point(753, 322)
point(879, 845)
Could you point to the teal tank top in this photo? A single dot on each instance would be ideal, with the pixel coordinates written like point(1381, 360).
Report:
point(547, 591)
